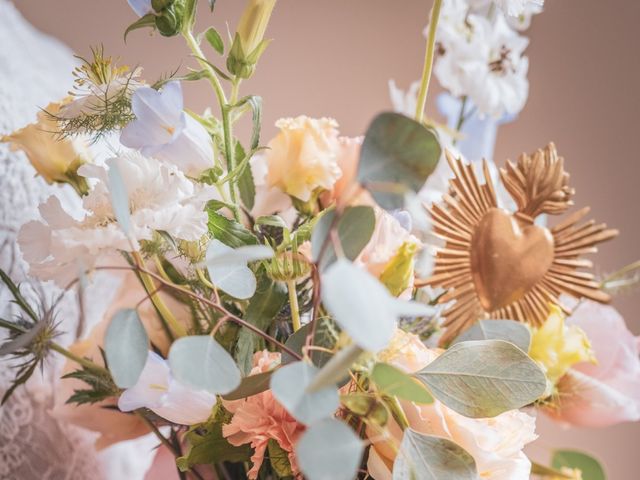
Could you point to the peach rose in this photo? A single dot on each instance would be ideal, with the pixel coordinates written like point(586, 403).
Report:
point(495, 443)
point(112, 425)
point(608, 392)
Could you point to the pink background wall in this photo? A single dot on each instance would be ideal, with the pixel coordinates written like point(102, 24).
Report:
point(334, 57)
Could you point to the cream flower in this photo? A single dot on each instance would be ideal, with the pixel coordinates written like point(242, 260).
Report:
point(495, 443)
point(161, 198)
point(56, 159)
point(303, 156)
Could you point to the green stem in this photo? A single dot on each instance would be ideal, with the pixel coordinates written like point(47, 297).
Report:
point(293, 304)
point(229, 154)
point(428, 60)
point(176, 327)
point(79, 360)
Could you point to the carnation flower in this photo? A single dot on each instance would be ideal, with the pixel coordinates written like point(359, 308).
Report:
point(55, 158)
point(607, 392)
point(495, 443)
point(161, 198)
point(163, 130)
point(260, 418)
point(484, 61)
point(302, 158)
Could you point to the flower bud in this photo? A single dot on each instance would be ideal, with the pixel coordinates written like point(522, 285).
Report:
point(169, 20)
point(55, 158)
point(160, 5)
point(398, 273)
point(248, 43)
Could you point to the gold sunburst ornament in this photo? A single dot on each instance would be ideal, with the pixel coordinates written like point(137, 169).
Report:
point(498, 264)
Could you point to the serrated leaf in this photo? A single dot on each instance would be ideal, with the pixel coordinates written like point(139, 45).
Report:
point(484, 378)
point(126, 347)
point(590, 467)
point(354, 229)
point(17, 295)
point(329, 450)
point(209, 446)
point(424, 457)
point(363, 307)
point(148, 20)
point(508, 330)
point(215, 40)
point(200, 362)
point(289, 385)
point(268, 300)
point(228, 231)
point(397, 156)
point(394, 382)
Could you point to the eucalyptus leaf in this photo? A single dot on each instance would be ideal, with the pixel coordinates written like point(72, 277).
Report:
point(397, 156)
point(484, 378)
point(201, 362)
point(289, 385)
point(363, 307)
point(394, 382)
point(126, 347)
point(297, 340)
point(215, 40)
point(119, 199)
point(354, 228)
point(590, 467)
point(251, 385)
point(329, 450)
point(508, 330)
point(337, 369)
point(425, 457)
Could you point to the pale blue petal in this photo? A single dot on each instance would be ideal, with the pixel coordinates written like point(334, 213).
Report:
point(141, 7)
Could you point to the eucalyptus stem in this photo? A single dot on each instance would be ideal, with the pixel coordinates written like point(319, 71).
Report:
point(293, 305)
point(147, 281)
point(75, 358)
point(428, 60)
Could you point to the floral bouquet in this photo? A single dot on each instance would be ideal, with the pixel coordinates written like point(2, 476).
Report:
point(392, 306)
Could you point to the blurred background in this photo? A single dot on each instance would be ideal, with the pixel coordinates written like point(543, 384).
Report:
point(335, 57)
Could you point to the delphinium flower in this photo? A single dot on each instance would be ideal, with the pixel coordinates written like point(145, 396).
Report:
point(101, 97)
point(162, 129)
point(161, 198)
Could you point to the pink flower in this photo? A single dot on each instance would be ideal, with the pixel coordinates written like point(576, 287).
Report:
point(260, 418)
point(606, 393)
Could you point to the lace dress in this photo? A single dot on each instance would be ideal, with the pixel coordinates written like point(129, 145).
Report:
point(35, 70)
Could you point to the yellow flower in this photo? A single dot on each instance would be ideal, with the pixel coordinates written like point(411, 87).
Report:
point(253, 23)
point(303, 156)
point(398, 272)
point(55, 158)
point(557, 347)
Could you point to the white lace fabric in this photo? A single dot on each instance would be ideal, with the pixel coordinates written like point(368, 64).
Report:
point(35, 70)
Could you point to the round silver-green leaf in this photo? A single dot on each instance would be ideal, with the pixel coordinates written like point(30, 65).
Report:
point(126, 347)
point(508, 330)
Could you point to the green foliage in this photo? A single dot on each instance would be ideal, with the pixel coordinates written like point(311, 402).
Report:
point(484, 378)
point(397, 156)
point(100, 383)
point(251, 385)
point(126, 346)
point(208, 446)
point(393, 382)
point(147, 21)
point(326, 336)
point(279, 459)
point(263, 307)
point(508, 330)
point(215, 40)
point(246, 184)
point(424, 457)
point(229, 231)
point(590, 467)
point(366, 406)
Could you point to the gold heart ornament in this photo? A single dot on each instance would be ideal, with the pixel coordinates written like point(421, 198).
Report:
point(498, 264)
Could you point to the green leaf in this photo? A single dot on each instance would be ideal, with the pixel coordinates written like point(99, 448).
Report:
point(215, 40)
point(542, 471)
point(102, 386)
point(289, 385)
point(149, 20)
point(126, 346)
point(246, 184)
point(394, 382)
point(398, 155)
point(268, 300)
point(484, 378)
point(17, 296)
point(337, 369)
point(298, 339)
point(508, 330)
point(279, 459)
point(363, 307)
point(251, 385)
point(424, 457)
point(209, 446)
point(228, 231)
point(590, 467)
point(354, 228)
point(200, 362)
point(255, 102)
point(329, 450)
